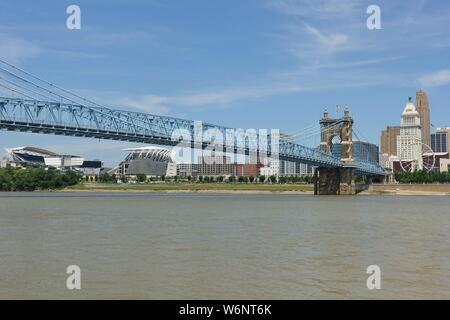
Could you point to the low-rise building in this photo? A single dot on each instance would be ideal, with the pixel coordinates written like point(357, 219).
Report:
point(283, 168)
point(444, 165)
point(436, 161)
point(247, 170)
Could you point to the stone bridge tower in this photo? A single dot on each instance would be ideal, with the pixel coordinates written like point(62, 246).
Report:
point(336, 181)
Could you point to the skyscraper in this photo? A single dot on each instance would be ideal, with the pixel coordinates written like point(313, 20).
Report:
point(423, 108)
point(409, 145)
point(440, 141)
point(388, 143)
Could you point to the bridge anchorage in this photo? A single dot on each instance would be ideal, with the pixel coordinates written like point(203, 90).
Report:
point(337, 180)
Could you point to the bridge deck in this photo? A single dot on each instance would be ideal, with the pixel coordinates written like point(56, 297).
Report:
point(77, 120)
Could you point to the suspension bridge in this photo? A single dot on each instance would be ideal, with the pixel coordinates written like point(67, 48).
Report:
point(29, 103)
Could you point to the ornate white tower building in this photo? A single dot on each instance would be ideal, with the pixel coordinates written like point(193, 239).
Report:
point(409, 142)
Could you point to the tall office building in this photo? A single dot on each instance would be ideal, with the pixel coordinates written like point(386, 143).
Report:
point(388, 143)
point(423, 108)
point(440, 141)
point(409, 146)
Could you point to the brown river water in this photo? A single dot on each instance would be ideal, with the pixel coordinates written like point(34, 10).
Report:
point(218, 246)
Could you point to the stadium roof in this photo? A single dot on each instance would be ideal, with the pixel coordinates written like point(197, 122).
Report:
point(150, 153)
point(34, 150)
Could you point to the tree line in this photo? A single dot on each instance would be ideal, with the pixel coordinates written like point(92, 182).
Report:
point(31, 179)
point(142, 178)
point(422, 177)
point(401, 177)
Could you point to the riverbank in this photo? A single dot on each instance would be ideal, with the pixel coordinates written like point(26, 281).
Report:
point(409, 189)
point(377, 189)
point(197, 187)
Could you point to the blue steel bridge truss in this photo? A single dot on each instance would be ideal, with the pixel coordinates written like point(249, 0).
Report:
point(77, 120)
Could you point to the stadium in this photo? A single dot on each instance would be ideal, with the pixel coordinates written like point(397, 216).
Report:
point(25, 157)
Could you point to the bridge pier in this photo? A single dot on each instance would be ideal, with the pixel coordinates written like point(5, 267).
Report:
point(334, 181)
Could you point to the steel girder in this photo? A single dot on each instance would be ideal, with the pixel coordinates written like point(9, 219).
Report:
point(103, 123)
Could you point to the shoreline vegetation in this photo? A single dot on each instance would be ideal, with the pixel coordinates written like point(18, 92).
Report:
point(194, 187)
point(39, 179)
point(33, 179)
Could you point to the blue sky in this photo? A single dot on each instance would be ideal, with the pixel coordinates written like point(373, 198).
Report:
point(240, 63)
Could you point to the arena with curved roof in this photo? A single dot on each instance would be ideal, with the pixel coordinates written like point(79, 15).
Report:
point(151, 161)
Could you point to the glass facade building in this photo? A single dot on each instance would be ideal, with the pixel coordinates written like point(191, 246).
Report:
point(439, 142)
point(361, 151)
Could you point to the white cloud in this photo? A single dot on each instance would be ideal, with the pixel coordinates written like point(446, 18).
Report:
point(148, 103)
point(318, 30)
point(15, 50)
point(206, 100)
point(328, 36)
point(439, 78)
point(329, 43)
point(200, 100)
point(177, 104)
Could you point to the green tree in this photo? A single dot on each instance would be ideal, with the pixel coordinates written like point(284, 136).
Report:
point(30, 179)
point(140, 177)
point(422, 177)
point(107, 178)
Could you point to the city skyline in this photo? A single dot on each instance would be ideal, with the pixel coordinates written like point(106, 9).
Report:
point(279, 69)
point(224, 151)
point(388, 139)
